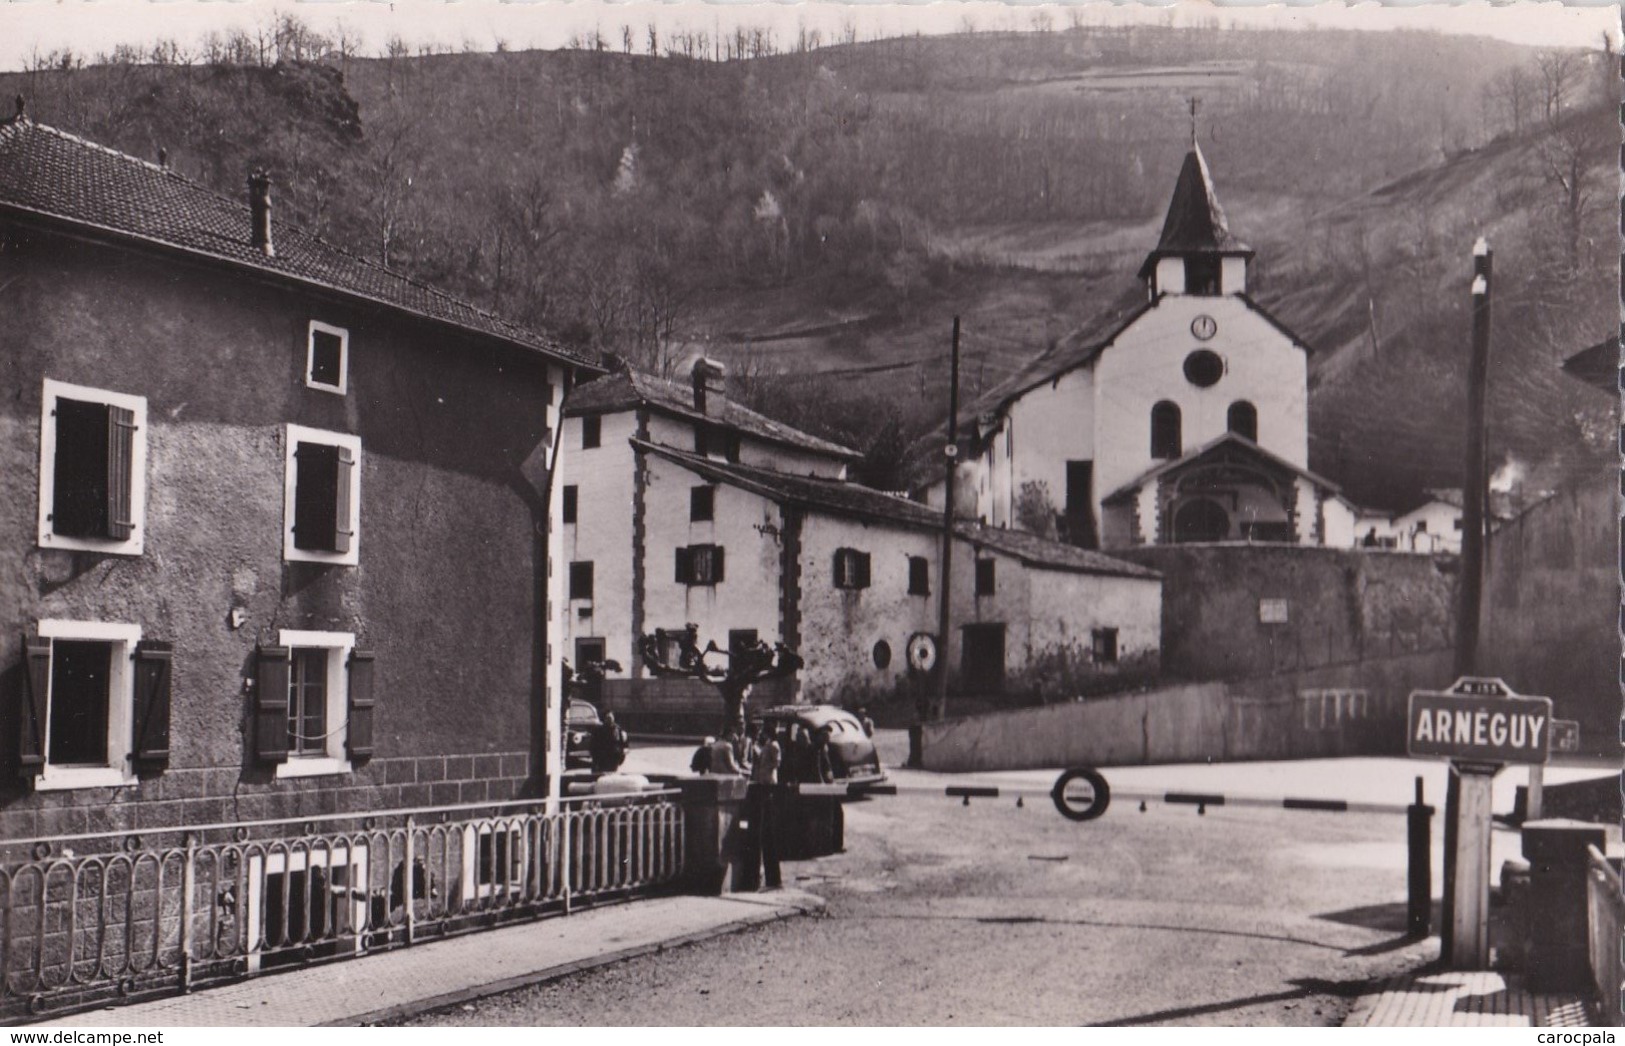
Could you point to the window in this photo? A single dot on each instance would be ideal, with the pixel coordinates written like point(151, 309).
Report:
point(699, 565)
point(322, 506)
point(567, 506)
point(1456, 523)
point(592, 430)
point(701, 504)
point(93, 470)
point(493, 860)
point(320, 698)
point(851, 568)
point(1104, 646)
point(581, 580)
point(1166, 438)
point(1202, 276)
point(327, 358)
point(985, 576)
point(716, 441)
point(742, 639)
point(882, 655)
point(1243, 420)
point(96, 704)
point(919, 576)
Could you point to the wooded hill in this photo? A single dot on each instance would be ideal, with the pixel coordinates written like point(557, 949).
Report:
point(817, 217)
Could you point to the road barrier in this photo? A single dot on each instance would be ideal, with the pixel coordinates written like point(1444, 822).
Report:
point(1200, 799)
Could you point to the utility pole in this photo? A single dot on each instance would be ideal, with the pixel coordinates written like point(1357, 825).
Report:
point(950, 456)
point(1475, 475)
point(1467, 798)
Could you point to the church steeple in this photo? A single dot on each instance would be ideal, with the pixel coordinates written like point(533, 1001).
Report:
point(1196, 234)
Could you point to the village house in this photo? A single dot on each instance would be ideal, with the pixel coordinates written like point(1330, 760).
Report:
point(752, 545)
point(276, 537)
point(1184, 421)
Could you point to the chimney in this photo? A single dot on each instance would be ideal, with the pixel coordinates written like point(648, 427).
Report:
point(259, 209)
point(163, 158)
point(708, 377)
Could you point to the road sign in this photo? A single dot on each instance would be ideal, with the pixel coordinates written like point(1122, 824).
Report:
point(1565, 735)
point(1081, 794)
point(1479, 720)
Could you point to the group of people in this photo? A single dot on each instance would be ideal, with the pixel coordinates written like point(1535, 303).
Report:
point(790, 753)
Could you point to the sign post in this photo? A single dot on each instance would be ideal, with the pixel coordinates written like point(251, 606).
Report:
point(1480, 725)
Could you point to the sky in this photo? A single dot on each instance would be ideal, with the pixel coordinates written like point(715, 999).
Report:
point(30, 27)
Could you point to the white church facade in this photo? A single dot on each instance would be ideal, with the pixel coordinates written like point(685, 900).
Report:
point(1185, 421)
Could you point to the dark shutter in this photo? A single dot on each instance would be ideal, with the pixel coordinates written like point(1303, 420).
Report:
point(716, 564)
point(153, 660)
point(685, 566)
point(315, 496)
point(271, 704)
point(863, 570)
point(343, 495)
point(36, 683)
point(120, 470)
point(358, 734)
point(840, 563)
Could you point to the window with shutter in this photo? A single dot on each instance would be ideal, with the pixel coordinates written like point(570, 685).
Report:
point(97, 699)
point(581, 580)
point(591, 432)
point(92, 469)
point(985, 576)
point(322, 517)
point(919, 576)
point(359, 733)
point(567, 503)
point(325, 690)
point(700, 565)
point(152, 689)
point(851, 568)
point(701, 504)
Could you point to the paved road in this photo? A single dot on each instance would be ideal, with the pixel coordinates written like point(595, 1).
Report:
point(992, 914)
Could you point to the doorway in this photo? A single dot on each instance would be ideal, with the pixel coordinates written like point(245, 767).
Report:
point(981, 660)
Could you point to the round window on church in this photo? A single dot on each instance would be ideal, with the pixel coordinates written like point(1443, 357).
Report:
point(882, 654)
point(1203, 368)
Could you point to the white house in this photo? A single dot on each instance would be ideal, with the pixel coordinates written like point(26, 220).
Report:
point(1186, 420)
point(682, 507)
point(603, 490)
point(849, 577)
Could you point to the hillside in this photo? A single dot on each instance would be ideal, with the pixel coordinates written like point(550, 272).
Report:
point(816, 218)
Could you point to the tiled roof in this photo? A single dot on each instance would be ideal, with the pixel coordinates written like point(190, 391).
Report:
point(628, 389)
point(1041, 552)
point(48, 173)
point(1195, 223)
point(1228, 440)
point(856, 501)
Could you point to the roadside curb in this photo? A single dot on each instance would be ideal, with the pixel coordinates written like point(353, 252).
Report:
point(805, 904)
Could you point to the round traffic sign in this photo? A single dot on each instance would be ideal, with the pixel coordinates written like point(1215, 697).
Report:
point(1081, 794)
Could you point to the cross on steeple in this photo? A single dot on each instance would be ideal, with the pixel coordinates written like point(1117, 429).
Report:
point(1193, 103)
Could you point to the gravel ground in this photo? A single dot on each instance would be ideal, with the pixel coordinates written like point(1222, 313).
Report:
point(992, 914)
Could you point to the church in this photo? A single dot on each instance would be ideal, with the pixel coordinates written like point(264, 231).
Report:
point(1187, 420)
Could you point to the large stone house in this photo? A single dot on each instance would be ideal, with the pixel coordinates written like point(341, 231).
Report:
point(275, 525)
point(704, 513)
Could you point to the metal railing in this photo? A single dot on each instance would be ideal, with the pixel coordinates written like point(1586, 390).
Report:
point(88, 918)
point(1605, 922)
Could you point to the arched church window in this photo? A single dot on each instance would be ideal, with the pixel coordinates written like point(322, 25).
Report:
point(1243, 420)
point(1166, 437)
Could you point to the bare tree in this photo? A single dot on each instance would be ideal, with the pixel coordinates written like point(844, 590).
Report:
point(677, 653)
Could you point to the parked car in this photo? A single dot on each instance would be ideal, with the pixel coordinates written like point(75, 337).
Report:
point(591, 742)
point(852, 756)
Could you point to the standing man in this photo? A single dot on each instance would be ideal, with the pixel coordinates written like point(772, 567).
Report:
point(764, 785)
